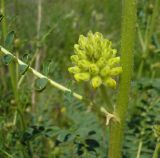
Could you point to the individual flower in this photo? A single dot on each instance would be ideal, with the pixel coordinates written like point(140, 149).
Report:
point(95, 60)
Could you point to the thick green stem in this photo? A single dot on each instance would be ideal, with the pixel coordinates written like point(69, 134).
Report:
point(127, 45)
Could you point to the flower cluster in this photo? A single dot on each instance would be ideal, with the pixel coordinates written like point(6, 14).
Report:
point(95, 60)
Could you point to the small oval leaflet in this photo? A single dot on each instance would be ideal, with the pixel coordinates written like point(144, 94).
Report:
point(7, 59)
point(23, 68)
point(40, 84)
point(9, 39)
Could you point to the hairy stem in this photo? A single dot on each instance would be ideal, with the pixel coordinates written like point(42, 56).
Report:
point(127, 45)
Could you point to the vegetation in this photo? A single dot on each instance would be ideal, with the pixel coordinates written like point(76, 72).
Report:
point(49, 48)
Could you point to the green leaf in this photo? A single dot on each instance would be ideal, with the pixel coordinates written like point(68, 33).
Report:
point(40, 84)
point(62, 135)
point(7, 59)
point(52, 131)
point(23, 68)
point(9, 39)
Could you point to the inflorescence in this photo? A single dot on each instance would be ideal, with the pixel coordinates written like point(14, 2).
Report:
point(95, 60)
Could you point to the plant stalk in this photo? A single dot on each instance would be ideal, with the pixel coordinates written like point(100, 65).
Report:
point(127, 45)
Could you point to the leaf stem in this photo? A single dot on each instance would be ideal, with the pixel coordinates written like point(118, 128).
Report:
point(39, 75)
point(127, 45)
point(139, 149)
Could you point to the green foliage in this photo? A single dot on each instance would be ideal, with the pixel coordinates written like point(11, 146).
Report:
point(144, 114)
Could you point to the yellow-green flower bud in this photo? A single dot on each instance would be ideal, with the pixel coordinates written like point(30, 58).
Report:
point(101, 62)
point(114, 52)
point(107, 54)
point(110, 83)
point(81, 55)
point(89, 51)
point(113, 61)
point(74, 70)
point(107, 43)
point(105, 71)
point(74, 58)
point(90, 36)
point(76, 48)
point(84, 64)
point(82, 41)
point(82, 76)
point(96, 81)
point(93, 69)
point(97, 55)
point(115, 71)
